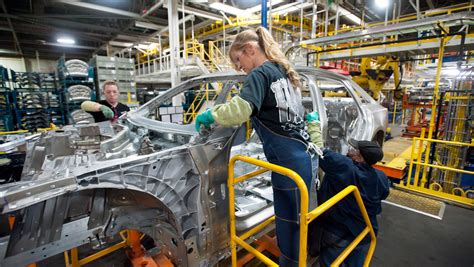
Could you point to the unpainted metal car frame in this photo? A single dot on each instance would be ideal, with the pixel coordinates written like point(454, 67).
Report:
point(88, 182)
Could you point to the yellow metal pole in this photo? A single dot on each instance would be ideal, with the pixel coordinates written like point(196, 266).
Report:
point(66, 258)
point(394, 112)
point(412, 155)
point(433, 108)
point(418, 158)
point(445, 168)
point(74, 258)
point(14, 132)
point(230, 185)
point(255, 252)
point(459, 144)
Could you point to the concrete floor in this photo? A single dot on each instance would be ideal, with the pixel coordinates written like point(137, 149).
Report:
point(408, 239)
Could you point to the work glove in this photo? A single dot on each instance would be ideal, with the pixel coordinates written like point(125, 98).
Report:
point(108, 113)
point(312, 117)
point(204, 118)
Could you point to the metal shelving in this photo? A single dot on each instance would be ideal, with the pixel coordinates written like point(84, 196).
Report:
point(76, 86)
point(36, 100)
point(6, 122)
point(120, 70)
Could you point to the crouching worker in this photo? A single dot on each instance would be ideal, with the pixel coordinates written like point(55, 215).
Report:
point(343, 222)
point(271, 98)
point(108, 109)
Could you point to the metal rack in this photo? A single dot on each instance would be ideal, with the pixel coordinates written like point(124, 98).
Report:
point(120, 70)
point(76, 86)
point(6, 122)
point(36, 100)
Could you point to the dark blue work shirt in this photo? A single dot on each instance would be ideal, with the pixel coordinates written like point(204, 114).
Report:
point(345, 219)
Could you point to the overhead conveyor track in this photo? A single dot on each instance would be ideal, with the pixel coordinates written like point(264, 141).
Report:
point(395, 38)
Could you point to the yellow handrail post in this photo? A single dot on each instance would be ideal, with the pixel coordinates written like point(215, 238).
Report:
point(433, 107)
point(418, 158)
point(394, 112)
point(412, 155)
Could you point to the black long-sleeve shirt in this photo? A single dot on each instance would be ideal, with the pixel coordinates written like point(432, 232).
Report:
point(345, 219)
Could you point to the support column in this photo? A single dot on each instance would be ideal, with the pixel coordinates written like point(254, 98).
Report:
point(314, 25)
point(270, 17)
point(326, 19)
point(386, 21)
point(185, 55)
point(174, 47)
point(336, 27)
point(38, 66)
point(301, 22)
point(264, 14)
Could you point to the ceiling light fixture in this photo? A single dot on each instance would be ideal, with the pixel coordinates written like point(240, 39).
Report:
point(228, 9)
point(219, 5)
point(66, 40)
point(258, 8)
point(382, 3)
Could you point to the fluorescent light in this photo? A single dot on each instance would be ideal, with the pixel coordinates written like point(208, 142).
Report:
point(258, 8)
point(228, 9)
point(382, 3)
point(148, 25)
point(292, 7)
point(120, 44)
point(346, 13)
point(241, 12)
point(66, 40)
point(198, 12)
point(143, 46)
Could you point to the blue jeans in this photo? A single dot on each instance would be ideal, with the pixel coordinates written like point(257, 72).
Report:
point(290, 153)
point(332, 246)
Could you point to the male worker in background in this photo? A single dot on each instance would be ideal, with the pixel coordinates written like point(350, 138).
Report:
point(342, 223)
point(108, 109)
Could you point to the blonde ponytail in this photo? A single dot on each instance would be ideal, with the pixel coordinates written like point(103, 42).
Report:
point(269, 47)
point(274, 54)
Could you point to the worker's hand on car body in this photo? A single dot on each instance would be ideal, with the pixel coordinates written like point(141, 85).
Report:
point(108, 113)
point(205, 119)
point(312, 117)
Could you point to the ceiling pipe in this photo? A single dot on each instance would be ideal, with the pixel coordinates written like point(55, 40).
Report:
point(153, 8)
point(264, 14)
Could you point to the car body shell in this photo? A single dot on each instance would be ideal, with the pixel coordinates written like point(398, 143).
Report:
point(89, 182)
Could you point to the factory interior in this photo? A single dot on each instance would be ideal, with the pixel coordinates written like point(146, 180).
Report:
point(122, 141)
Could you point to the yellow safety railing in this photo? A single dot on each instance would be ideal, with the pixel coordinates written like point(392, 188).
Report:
point(428, 13)
point(201, 96)
point(448, 188)
point(219, 26)
point(14, 132)
point(216, 55)
point(194, 48)
point(410, 17)
point(305, 216)
point(213, 59)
